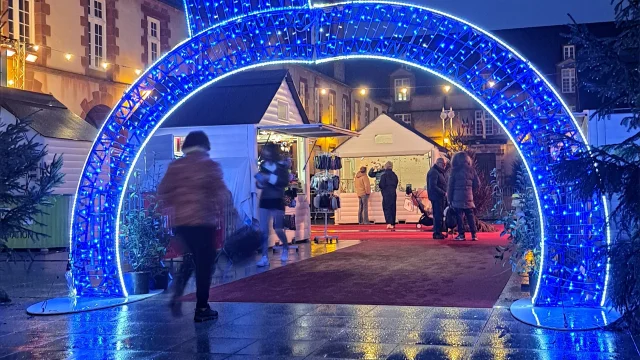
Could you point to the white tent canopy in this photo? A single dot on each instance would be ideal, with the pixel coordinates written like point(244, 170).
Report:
point(384, 136)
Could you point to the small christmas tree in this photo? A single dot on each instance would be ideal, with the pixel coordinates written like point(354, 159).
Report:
point(26, 183)
point(610, 68)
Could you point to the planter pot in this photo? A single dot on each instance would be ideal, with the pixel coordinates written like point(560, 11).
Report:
point(160, 281)
point(137, 283)
point(533, 280)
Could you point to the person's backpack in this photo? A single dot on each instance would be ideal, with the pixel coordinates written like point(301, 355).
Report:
point(450, 220)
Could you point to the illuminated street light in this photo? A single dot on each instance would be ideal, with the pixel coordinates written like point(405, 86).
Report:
point(446, 88)
point(105, 65)
point(323, 91)
point(363, 91)
point(138, 71)
point(68, 56)
point(405, 90)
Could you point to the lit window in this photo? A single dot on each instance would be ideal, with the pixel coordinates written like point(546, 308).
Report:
point(20, 20)
point(569, 52)
point(153, 39)
point(405, 118)
point(402, 89)
point(283, 110)
point(367, 113)
point(302, 93)
point(479, 122)
point(483, 124)
point(332, 108)
point(356, 116)
point(568, 81)
point(97, 26)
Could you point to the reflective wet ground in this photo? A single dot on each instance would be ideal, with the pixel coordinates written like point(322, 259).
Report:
point(146, 330)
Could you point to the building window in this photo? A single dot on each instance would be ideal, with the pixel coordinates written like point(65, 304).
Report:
point(569, 52)
point(402, 89)
point(283, 110)
point(405, 118)
point(20, 20)
point(356, 116)
point(302, 93)
point(479, 122)
point(367, 113)
point(375, 113)
point(346, 121)
point(332, 108)
point(466, 127)
point(568, 81)
point(153, 39)
point(484, 124)
point(97, 26)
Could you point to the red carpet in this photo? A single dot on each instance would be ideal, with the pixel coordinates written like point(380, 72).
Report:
point(419, 273)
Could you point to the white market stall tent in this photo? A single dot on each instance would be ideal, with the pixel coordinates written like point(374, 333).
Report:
point(239, 114)
point(385, 139)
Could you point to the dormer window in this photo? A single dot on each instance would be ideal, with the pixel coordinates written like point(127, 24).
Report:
point(569, 52)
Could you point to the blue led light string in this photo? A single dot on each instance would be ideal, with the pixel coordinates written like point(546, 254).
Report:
point(523, 103)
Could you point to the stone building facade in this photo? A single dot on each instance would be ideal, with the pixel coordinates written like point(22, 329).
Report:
point(90, 51)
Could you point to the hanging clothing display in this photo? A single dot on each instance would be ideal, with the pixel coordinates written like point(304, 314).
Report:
point(328, 162)
point(325, 182)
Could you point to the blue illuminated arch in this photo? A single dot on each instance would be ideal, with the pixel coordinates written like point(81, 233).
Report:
point(232, 36)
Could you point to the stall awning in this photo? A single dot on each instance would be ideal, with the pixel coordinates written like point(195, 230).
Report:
point(313, 131)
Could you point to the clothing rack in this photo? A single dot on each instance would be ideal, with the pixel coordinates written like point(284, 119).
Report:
point(325, 167)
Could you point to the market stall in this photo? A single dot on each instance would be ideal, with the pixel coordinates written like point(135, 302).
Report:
point(385, 139)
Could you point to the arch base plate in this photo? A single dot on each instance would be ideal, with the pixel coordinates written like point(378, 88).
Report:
point(67, 305)
point(554, 317)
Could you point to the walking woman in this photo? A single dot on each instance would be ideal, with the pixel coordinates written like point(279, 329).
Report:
point(193, 189)
point(272, 178)
point(363, 190)
point(463, 181)
point(388, 188)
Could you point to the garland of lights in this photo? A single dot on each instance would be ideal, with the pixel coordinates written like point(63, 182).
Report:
point(233, 35)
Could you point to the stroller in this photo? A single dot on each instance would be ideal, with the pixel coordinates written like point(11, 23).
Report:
point(425, 219)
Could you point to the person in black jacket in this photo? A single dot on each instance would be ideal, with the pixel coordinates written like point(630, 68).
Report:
point(388, 188)
point(272, 179)
point(437, 190)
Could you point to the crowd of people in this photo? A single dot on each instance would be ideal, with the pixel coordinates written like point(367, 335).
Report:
point(450, 185)
point(194, 190)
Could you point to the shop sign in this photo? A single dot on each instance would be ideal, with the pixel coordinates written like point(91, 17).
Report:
point(384, 139)
point(177, 146)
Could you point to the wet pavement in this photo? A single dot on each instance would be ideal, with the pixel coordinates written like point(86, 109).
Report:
point(146, 329)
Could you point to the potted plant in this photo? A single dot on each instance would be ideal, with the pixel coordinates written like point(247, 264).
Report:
point(145, 236)
point(521, 226)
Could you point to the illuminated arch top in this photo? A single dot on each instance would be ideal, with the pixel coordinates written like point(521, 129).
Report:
point(228, 36)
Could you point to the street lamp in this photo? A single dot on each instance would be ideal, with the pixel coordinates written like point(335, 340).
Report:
point(363, 91)
point(446, 89)
point(444, 115)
